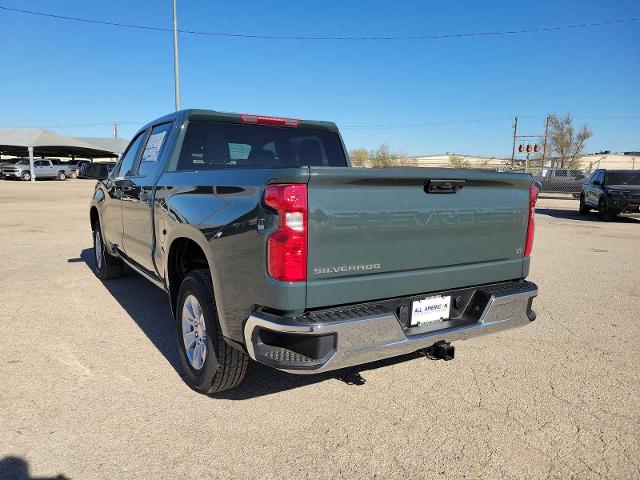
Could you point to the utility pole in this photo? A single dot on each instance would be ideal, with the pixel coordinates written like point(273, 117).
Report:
point(515, 135)
point(544, 145)
point(115, 130)
point(176, 73)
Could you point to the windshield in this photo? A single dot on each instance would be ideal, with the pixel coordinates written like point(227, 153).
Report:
point(623, 178)
point(23, 162)
point(212, 145)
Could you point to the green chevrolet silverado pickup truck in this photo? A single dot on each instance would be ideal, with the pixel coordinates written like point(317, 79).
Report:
point(271, 247)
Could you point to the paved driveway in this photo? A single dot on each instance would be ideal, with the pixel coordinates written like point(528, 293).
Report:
point(90, 388)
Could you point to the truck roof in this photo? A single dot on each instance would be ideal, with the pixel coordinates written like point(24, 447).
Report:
point(230, 117)
point(618, 170)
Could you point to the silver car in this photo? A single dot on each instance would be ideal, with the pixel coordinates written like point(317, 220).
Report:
point(42, 168)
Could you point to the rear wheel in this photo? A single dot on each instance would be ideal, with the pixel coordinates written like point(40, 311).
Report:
point(107, 266)
point(584, 210)
point(61, 176)
point(26, 176)
point(210, 365)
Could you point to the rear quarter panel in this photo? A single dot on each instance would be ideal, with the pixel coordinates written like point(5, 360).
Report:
point(220, 210)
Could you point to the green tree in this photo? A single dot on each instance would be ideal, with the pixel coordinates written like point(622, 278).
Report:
point(359, 157)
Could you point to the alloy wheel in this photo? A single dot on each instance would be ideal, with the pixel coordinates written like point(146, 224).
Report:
point(194, 332)
point(98, 249)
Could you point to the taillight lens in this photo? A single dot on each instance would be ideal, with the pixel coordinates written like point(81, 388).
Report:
point(287, 246)
point(533, 198)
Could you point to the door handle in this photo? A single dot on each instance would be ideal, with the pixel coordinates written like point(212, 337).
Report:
point(443, 186)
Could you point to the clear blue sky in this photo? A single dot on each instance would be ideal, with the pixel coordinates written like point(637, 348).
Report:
point(61, 73)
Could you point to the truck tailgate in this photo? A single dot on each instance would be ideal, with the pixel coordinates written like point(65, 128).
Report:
point(377, 234)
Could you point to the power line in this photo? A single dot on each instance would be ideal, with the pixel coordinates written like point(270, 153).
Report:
point(78, 125)
point(479, 120)
point(366, 126)
point(429, 124)
point(321, 38)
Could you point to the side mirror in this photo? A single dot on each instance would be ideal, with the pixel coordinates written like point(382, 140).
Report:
point(597, 182)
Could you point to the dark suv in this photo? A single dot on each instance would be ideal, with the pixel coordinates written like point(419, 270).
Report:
point(611, 192)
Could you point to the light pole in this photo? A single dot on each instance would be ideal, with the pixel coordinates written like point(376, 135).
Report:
point(176, 73)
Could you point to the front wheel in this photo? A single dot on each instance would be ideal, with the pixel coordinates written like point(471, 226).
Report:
point(107, 266)
point(61, 176)
point(210, 365)
point(603, 211)
point(584, 210)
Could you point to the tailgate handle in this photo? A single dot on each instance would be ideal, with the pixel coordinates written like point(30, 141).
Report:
point(443, 186)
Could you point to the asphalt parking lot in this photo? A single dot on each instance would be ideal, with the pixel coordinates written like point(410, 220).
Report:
point(90, 384)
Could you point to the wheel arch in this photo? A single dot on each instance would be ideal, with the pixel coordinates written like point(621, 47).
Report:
point(94, 217)
point(185, 252)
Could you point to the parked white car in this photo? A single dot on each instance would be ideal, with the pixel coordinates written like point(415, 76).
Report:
point(42, 168)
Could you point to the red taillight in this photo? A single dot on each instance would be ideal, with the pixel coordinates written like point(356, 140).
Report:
point(264, 120)
point(287, 246)
point(533, 198)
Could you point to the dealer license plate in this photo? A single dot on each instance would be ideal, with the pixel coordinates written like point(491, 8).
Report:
point(430, 310)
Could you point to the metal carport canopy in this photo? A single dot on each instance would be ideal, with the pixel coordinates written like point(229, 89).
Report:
point(16, 141)
point(41, 142)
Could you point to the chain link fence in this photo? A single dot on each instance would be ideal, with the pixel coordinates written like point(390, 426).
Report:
point(565, 182)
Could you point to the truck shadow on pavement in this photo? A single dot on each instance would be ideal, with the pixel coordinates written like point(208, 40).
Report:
point(148, 306)
point(575, 215)
point(15, 468)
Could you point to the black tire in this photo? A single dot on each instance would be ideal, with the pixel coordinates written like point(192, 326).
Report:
point(584, 210)
point(224, 367)
point(26, 176)
point(107, 266)
point(61, 176)
point(603, 211)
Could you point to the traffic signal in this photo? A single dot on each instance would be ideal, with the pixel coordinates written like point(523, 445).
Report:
point(536, 148)
point(521, 148)
point(528, 148)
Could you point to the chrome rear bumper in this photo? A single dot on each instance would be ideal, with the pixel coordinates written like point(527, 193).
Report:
point(377, 336)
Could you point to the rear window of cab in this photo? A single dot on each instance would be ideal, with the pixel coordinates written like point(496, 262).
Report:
point(214, 145)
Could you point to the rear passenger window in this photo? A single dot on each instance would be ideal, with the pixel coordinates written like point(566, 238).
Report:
point(149, 163)
point(213, 145)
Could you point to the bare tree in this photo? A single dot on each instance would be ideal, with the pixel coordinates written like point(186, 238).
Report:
point(458, 162)
point(381, 157)
point(565, 144)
